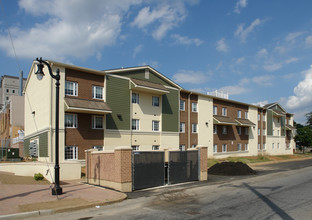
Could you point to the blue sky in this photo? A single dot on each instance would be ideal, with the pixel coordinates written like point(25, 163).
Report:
point(258, 51)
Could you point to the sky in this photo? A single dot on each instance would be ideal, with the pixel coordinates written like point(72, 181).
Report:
point(259, 51)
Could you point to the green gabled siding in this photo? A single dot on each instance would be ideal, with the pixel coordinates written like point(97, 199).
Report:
point(26, 147)
point(43, 144)
point(270, 122)
point(140, 74)
point(170, 111)
point(118, 99)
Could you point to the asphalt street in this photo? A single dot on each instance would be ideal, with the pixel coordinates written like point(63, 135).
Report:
point(283, 193)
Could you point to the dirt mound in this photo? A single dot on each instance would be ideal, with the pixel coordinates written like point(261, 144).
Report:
point(231, 169)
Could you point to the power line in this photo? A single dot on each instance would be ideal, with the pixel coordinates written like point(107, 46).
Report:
point(12, 43)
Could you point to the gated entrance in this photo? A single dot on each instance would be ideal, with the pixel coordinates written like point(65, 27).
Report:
point(183, 166)
point(148, 169)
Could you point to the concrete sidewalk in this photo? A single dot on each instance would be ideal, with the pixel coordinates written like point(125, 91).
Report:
point(21, 200)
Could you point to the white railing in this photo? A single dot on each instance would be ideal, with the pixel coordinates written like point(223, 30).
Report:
point(220, 94)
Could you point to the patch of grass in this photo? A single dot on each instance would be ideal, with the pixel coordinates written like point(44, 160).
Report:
point(212, 162)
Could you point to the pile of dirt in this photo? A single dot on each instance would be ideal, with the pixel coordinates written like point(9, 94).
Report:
point(231, 169)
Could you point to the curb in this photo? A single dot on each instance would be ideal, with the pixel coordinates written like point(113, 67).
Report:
point(277, 161)
point(52, 211)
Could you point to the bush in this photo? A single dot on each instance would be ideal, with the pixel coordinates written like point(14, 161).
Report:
point(38, 176)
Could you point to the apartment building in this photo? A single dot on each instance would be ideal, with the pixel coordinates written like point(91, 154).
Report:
point(136, 107)
point(142, 108)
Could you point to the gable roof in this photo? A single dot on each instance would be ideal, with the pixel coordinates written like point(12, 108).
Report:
point(271, 105)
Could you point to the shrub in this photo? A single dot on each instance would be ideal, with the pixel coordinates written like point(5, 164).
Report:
point(38, 176)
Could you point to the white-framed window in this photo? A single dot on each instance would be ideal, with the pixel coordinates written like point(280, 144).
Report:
point(264, 132)
point(246, 147)
point(71, 120)
point(224, 112)
point(13, 91)
point(258, 131)
point(194, 128)
point(224, 148)
point(246, 115)
point(239, 147)
point(135, 124)
point(215, 110)
point(263, 146)
point(182, 127)
point(71, 153)
point(155, 147)
point(278, 145)
point(97, 92)
point(258, 116)
point(97, 122)
point(135, 98)
point(7, 91)
point(194, 107)
point(239, 130)
point(194, 146)
point(215, 131)
point(239, 113)
point(263, 117)
point(182, 147)
point(71, 88)
point(135, 147)
point(258, 146)
point(155, 125)
point(224, 130)
point(215, 148)
point(272, 145)
point(182, 105)
point(246, 131)
point(155, 101)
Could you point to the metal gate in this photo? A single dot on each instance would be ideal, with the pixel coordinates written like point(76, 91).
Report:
point(183, 166)
point(148, 169)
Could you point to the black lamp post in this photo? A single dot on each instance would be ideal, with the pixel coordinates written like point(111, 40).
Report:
point(56, 190)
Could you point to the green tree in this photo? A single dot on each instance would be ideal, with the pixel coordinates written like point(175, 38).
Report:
point(309, 119)
point(304, 137)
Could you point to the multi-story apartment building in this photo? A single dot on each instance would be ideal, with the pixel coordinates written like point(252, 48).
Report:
point(141, 108)
point(9, 86)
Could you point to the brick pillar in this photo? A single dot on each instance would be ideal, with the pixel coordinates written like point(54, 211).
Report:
point(203, 163)
point(123, 168)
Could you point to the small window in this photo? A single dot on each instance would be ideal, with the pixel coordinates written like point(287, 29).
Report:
point(194, 128)
point(97, 92)
point(7, 98)
point(182, 147)
point(70, 120)
point(215, 110)
point(224, 112)
point(224, 130)
point(135, 98)
point(182, 105)
point(258, 116)
point(155, 147)
point(7, 90)
point(155, 101)
point(246, 115)
point(71, 88)
point(71, 153)
point(246, 147)
point(246, 131)
point(258, 146)
point(194, 146)
point(239, 130)
point(278, 145)
point(135, 124)
point(194, 107)
point(182, 127)
point(224, 148)
point(99, 148)
point(215, 148)
point(239, 114)
point(97, 122)
point(272, 145)
point(135, 147)
point(239, 147)
point(13, 91)
point(155, 125)
point(258, 131)
point(215, 129)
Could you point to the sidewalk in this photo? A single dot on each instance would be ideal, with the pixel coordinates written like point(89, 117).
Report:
point(27, 199)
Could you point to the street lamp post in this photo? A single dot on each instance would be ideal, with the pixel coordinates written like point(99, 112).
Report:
point(56, 190)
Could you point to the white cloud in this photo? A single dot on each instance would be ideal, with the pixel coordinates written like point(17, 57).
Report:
point(186, 41)
point(280, 49)
point(137, 50)
point(276, 66)
point(239, 60)
point(234, 90)
point(222, 46)
point(262, 53)
point(261, 103)
point(239, 5)
point(291, 37)
point(242, 33)
point(190, 76)
point(308, 41)
point(164, 17)
point(265, 80)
